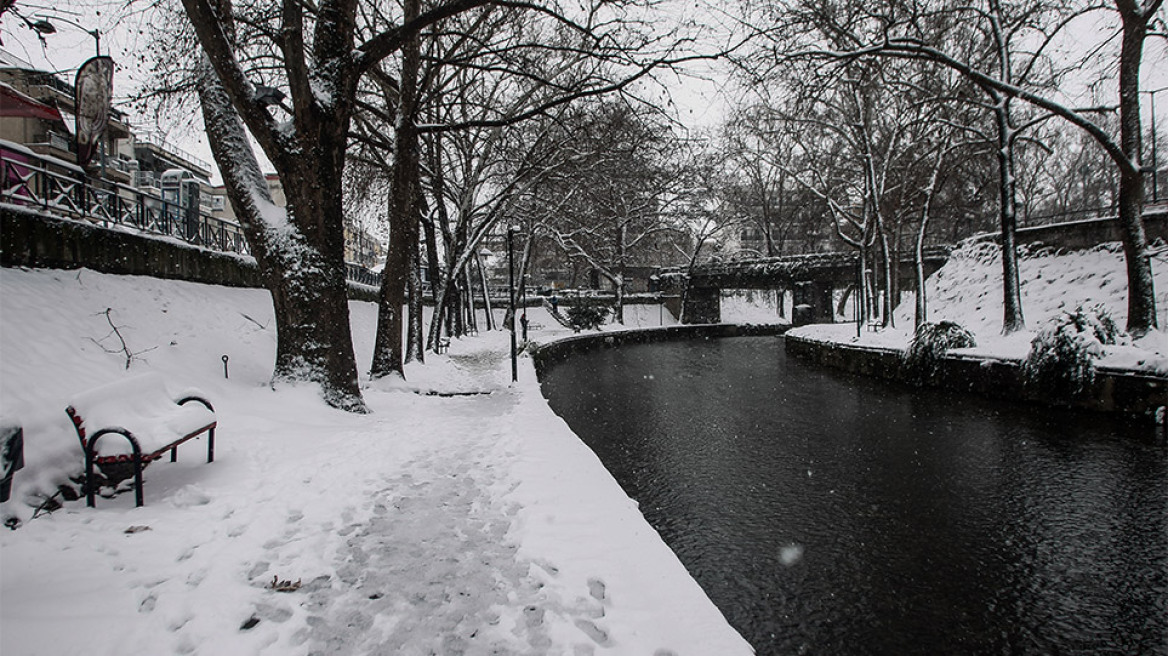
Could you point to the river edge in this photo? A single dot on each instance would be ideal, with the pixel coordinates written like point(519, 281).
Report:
point(1127, 393)
point(1130, 394)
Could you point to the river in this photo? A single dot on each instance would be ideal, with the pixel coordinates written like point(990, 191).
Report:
point(832, 514)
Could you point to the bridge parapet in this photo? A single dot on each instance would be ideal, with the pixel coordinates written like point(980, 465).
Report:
point(812, 278)
point(772, 272)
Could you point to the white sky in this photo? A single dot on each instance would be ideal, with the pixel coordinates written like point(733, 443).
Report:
point(699, 98)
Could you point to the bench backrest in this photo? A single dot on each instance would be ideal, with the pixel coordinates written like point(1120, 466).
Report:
point(142, 405)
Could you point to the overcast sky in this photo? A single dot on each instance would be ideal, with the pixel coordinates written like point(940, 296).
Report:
point(699, 103)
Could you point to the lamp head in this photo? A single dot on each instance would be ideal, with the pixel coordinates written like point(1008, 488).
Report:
point(43, 26)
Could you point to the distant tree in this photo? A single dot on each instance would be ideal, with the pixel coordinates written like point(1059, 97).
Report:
point(761, 192)
point(1019, 35)
point(621, 183)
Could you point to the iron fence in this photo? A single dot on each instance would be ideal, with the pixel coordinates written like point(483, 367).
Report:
point(63, 189)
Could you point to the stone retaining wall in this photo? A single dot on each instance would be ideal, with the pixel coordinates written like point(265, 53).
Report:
point(31, 239)
point(1136, 395)
point(552, 353)
point(1081, 235)
point(36, 240)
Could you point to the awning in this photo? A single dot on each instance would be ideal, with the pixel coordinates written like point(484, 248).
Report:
point(15, 103)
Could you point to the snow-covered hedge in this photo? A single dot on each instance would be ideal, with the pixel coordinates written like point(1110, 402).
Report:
point(586, 316)
point(929, 344)
point(1062, 355)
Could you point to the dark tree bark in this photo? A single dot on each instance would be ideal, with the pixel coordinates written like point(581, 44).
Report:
point(1141, 298)
point(1012, 319)
point(301, 261)
point(403, 231)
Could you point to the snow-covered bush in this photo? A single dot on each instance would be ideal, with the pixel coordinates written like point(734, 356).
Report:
point(586, 316)
point(1062, 356)
point(929, 344)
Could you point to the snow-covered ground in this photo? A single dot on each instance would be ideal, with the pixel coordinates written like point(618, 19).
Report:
point(472, 524)
point(460, 517)
point(968, 291)
point(758, 306)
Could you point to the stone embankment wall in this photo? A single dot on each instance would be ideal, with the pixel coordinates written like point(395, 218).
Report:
point(1091, 232)
point(35, 240)
point(546, 355)
point(1136, 395)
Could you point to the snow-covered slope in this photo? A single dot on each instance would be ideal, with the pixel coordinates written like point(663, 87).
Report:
point(968, 290)
point(473, 524)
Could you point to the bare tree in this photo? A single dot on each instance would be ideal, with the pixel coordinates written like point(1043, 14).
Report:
point(907, 30)
point(621, 183)
point(483, 75)
point(319, 55)
point(761, 192)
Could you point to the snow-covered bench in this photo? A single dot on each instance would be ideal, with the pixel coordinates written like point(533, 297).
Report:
point(152, 420)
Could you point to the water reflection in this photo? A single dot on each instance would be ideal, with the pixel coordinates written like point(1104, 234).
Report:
point(831, 514)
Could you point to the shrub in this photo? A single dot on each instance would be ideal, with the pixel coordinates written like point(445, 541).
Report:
point(586, 317)
point(1062, 356)
point(929, 344)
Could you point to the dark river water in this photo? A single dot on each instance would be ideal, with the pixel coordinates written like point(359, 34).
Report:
point(832, 514)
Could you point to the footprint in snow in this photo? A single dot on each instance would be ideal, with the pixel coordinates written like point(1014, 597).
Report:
point(598, 635)
point(597, 589)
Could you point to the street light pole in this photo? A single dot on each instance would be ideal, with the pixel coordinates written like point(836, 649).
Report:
point(1155, 163)
point(511, 288)
point(45, 26)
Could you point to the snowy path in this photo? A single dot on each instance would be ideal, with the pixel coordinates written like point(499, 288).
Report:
point(460, 517)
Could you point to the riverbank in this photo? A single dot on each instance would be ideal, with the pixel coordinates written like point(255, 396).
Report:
point(967, 291)
point(461, 516)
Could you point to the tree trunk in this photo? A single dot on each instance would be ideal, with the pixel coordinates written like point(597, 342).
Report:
point(889, 273)
point(488, 311)
point(300, 256)
point(432, 263)
point(472, 321)
point(862, 310)
point(415, 346)
point(1141, 297)
point(618, 280)
point(1012, 319)
point(403, 232)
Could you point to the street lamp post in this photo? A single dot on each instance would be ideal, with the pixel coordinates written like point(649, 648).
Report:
point(1155, 163)
point(511, 288)
point(44, 26)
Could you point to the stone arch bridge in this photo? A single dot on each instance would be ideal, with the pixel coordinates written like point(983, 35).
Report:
point(812, 278)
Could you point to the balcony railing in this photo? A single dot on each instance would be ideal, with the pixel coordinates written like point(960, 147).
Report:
point(58, 141)
point(61, 189)
point(161, 144)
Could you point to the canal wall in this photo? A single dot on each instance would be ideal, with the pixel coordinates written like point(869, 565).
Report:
point(552, 353)
point(1137, 395)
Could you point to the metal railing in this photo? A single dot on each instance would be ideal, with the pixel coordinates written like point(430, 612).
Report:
point(62, 189)
point(163, 145)
point(359, 274)
point(1069, 216)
